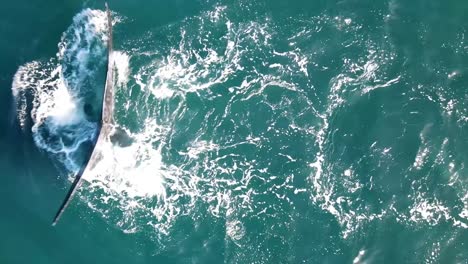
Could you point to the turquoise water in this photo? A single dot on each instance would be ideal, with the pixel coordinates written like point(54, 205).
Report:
point(261, 132)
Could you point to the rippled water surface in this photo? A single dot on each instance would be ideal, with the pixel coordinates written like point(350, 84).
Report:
point(260, 132)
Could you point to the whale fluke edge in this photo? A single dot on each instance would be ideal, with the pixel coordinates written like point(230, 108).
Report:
point(104, 126)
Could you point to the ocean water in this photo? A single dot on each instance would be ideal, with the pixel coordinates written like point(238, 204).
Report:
point(261, 132)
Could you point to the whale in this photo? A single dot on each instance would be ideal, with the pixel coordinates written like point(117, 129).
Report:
point(105, 129)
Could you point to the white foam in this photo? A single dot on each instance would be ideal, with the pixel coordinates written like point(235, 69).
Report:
point(358, 258)
point(200, 147)
point(22, 82)
point(217, 13)
point(121, 60)
point(430, 212)
point(65, 109)
point(347, 173)
point(135, 170)
point(420, 157)
point(235, 230)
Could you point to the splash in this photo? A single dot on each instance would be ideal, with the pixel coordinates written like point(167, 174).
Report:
point(219, 115)
point(121, 60)
point(57, 87)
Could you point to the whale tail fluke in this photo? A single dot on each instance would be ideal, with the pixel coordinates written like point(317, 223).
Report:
point(104, 127)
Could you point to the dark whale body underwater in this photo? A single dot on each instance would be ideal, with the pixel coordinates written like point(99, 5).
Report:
point(104, 127)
